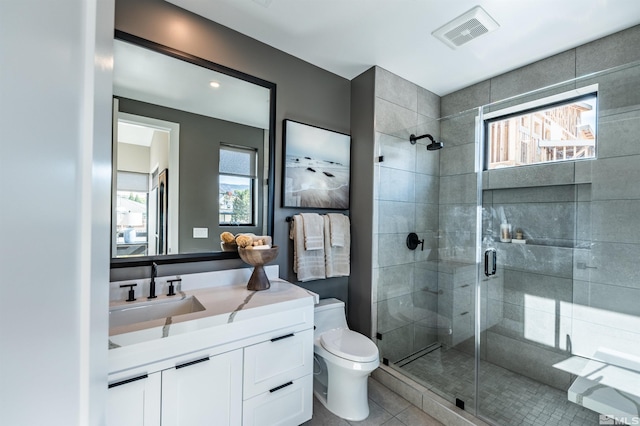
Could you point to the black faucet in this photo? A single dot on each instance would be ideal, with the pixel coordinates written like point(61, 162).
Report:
point(152, 284)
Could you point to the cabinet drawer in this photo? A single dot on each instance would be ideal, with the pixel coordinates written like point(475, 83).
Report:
point(277, 361)
point(291, 403)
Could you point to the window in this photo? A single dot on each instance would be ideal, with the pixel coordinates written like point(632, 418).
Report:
point(132, 213)
point(237, 194)
point(559, 128)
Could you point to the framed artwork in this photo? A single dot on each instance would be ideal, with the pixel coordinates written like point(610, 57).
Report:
point(316, 167)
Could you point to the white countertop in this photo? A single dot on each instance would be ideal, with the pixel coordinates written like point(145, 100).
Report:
point(223, 305)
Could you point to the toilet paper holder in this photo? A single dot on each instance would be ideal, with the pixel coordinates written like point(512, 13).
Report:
point(413, 241)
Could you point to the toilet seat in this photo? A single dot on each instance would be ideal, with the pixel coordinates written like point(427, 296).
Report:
point(349, 345)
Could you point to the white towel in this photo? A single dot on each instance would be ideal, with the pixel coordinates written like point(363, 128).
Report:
point(307, 264)
point(339, 226)
point(313, 231)
point(337, 260)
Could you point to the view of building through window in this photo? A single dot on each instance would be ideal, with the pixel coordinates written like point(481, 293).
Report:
point(549, 134)
point(131, 222)
point(237, 174)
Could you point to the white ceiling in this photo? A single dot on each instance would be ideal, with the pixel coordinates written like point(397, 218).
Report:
point(347, 37)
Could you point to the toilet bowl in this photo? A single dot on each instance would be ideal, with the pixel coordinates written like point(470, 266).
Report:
point(343, 360)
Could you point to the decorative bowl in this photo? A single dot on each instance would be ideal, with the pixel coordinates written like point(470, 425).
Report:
point(258, 258)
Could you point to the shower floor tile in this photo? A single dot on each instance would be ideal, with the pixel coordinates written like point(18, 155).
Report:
point(506, 398)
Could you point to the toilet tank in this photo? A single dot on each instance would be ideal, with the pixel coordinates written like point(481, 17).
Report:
point(329, 314)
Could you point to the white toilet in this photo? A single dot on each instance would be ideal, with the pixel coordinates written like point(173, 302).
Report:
point(343, 359)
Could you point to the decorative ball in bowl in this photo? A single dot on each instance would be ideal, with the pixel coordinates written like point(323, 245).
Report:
point(228, 246)
point(258, 258)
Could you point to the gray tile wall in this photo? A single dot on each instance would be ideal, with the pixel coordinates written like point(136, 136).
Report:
point(406, 192)
point(576, 288)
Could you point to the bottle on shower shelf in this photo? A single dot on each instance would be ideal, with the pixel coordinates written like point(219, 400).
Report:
point(505, 232)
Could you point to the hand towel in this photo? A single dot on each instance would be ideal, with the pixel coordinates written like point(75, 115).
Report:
point(307, 264)
point(337, 259)
point(313, 231)
point(338, 224)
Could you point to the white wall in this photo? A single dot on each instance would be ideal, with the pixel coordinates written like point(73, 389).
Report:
point(55, 108)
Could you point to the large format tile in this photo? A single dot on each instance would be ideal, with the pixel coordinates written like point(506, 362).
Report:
point(396, 344)
point(617, 49)
point(415, 417)
point(395, 120)
point(397, 153)
point(392, 250)
point(458, 189)
point(617, 90)
point(426, 218)
point(459, 129)
point(396, 217)
point(428, 103)
point(383, 396)
point(457, 160)
point(427, 188)
point(615, 221)
point(555, 69)
point(396, 185)
point(534, 175)
point(394, 313)
point(396, 89)
point(394, 281)
point(618, 134)
point(465, 99)
point(616, 178)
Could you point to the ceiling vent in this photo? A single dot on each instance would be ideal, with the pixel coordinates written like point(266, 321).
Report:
point(465, 28)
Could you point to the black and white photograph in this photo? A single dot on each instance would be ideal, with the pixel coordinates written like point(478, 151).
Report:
point(316, 173)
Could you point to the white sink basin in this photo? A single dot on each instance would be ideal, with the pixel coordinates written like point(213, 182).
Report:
point(126, 315)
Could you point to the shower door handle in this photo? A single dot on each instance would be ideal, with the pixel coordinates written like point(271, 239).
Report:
point(490, 261)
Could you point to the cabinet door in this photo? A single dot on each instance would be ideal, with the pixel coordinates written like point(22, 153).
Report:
point(206, 391)
point(134, 402)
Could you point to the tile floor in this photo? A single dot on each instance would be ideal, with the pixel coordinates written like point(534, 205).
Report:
point(505, 397)
point(386, 408)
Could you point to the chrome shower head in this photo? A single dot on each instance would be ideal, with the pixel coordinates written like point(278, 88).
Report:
point(433, 146)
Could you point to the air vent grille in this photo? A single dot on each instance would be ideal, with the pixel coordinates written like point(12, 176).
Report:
point(466, 27)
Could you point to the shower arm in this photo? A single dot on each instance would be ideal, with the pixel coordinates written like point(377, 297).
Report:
point(413, 138)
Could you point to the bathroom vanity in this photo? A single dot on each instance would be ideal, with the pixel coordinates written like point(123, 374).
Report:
point(226, 355)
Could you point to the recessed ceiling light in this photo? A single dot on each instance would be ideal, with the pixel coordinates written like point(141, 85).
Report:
point(214, 84)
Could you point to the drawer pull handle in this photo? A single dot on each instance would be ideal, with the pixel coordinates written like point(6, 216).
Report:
point(187, 364)
point(275, 339)
point(464, 286)
point(464, 313)
point(277, 388)
point(124, 382)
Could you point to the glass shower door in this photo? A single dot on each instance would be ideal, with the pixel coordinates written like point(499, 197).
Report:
point(557, 331)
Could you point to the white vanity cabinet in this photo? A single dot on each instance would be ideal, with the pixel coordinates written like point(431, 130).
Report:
point(206, 391)
point(278, 381)
point(135, 401)
point(203, 391)
point(246, 366)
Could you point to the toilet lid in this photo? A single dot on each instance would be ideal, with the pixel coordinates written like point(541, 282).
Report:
point(349, 345)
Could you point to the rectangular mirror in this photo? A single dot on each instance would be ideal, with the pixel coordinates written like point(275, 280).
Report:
point(193, 155)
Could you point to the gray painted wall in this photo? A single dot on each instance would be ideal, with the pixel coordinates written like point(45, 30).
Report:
point(362, 160)
point(304, 93)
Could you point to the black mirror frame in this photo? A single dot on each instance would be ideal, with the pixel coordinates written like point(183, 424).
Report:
point(207, 256)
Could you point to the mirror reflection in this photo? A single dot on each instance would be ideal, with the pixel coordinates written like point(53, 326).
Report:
point(191, 154)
